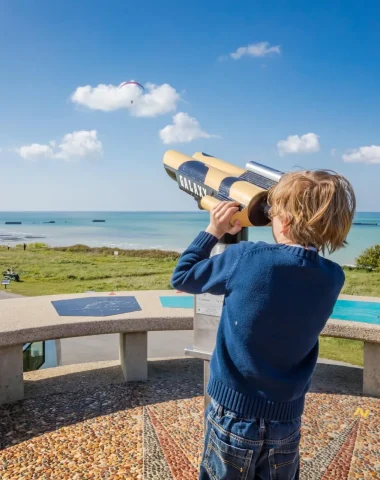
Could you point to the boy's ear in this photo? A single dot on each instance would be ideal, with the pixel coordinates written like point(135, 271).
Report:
point(285, 225)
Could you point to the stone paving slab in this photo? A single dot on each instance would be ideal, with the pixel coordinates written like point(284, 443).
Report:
point(154, 430)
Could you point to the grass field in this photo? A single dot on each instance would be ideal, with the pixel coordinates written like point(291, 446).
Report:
point(46, 271)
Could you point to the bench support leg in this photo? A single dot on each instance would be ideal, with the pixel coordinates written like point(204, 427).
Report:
point(11, 374)
point(371, 375)
point(134, 356)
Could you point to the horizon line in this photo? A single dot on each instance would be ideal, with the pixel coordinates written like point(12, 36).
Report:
point(131, 211)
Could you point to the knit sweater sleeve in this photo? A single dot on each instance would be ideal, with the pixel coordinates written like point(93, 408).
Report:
point(197, 272)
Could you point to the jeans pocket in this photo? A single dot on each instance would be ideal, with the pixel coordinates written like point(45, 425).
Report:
point(226, 462)
point(284, 462)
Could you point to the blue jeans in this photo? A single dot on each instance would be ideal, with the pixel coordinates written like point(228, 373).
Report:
point(249, 448)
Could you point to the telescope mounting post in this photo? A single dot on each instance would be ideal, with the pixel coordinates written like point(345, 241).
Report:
point(207, 311)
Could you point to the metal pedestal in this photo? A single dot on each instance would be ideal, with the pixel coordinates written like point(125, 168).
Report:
point(207, 310)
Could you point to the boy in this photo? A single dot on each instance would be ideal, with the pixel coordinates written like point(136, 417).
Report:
point(278, 298)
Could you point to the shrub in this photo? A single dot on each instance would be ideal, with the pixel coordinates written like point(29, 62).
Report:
point(370, 258)
point(38, 245)
point(108, 251)
point(74, 248)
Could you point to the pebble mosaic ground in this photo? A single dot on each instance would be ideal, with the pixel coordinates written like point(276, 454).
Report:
point(154, 430)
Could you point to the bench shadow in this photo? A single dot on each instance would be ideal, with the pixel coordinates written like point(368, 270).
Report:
point(60, 400)
point(55, 399)
point(338, 379)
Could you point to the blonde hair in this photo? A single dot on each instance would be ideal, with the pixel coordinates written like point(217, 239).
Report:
point(317, 206)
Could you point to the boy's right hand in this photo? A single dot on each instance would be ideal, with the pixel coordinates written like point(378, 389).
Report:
point(220, 220)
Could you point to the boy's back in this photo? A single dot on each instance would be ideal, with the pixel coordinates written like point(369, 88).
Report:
point(278, 300)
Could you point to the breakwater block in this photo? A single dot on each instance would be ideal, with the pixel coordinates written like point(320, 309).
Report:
point(368, 224)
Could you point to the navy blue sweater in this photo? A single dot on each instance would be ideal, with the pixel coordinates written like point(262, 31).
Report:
point(278, 298)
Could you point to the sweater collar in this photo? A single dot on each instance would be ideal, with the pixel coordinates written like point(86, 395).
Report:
point(300, 251)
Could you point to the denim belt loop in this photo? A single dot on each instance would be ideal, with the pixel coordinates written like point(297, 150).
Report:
point(262, 429)
point(220, 411)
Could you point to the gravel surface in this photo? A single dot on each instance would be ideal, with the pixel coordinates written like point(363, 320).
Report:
point(91, 425)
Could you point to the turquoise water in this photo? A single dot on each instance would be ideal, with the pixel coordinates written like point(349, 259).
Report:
point(364, 312)
point(164, 230)
point(177, 302)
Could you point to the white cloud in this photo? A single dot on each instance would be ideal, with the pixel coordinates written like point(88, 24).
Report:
point(155, 100)
point(78, 144)
point(35, 151)
point(261, 49)
point(370, 154)
point(307, 143)
point(184, 129)
point(333, 152)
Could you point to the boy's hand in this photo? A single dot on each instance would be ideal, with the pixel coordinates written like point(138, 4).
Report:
point(220, 218)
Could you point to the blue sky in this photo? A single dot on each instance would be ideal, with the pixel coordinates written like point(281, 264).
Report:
point(311, 68)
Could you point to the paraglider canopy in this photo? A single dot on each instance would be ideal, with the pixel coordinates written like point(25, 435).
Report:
point(132, 82)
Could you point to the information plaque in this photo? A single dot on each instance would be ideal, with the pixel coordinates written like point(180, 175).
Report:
point(207, 304)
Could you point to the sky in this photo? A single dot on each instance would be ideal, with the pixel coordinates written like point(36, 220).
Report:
point(284, 83)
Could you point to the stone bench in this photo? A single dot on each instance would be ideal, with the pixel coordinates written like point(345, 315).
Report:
point(370, 334)
point(36, 319)
point(205, 330)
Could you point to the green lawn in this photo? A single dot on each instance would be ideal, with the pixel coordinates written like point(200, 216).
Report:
point(46, 271)
point(51, 271)
point(362, 282)
point(350, 351)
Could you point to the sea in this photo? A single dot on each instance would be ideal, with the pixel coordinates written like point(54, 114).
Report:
point(159, 230)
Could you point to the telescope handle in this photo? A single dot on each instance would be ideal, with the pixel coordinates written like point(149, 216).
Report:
point(208, 203)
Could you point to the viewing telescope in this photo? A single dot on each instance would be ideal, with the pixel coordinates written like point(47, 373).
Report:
point(211, 180)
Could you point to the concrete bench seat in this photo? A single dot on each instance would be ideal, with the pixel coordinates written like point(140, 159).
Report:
point(367, 332)
point(354, 317)
point(35, 319)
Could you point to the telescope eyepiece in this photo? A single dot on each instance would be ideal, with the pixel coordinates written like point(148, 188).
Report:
point(267, 210)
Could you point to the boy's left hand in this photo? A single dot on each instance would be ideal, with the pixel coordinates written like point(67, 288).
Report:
point(220, 220)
